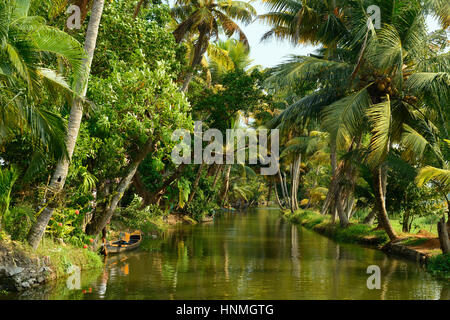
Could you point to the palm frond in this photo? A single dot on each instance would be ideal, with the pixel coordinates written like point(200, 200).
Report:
point(343, 118)
point(413, 142)
point(379, 116)
point(429, 173)
point(52, 40)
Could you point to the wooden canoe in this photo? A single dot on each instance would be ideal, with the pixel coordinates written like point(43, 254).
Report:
point(127, 242)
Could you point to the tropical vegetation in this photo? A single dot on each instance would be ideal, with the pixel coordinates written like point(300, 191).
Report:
point(87, 116)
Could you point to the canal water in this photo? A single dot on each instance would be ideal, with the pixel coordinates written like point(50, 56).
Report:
point(247, 255)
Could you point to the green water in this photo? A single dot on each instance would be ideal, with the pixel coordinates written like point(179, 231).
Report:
point(248, 255)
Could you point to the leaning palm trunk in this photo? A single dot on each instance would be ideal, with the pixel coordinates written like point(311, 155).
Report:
point(76, 113)
point(443, 236)
point(373, 214)
point(276, 195)
point(186, 81)
point(383, 218)
point(199, 50)
point(100, 219)
point(370, 217)
point(295, 182)
point(284, 190)
point(288, 197)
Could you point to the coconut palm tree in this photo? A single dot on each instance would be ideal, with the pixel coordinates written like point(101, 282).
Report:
point(26, 42)
point(425, 147)
point(76, 114)
point(304, 21)
point(205, 19)
point(238, 57)
point(374, 81)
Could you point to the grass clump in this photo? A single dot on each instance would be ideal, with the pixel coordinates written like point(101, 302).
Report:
point(307, 218)
point(361, 233)
point(414, 241)
point(440, 265)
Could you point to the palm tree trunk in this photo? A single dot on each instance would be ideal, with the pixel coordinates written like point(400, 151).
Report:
point(313, 187)
point(443, 236)
point(343, 220)
point(350, 205)
point(138, 8)
point(226, 184)
point(383, 218)
point(286, 187)
point(448, 210)
point(283, 193)
point(195, 185)
point(186, 81)
point(218, 173)
point(276, 195)
point(100, 220)
point(370, 217)
point(199, 50)
point(295, 182)
point(269, 195)
point(141, 190)
point(76, 113)
point(329, 198)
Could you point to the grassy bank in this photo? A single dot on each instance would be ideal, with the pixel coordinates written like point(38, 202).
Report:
point(64, 256)
point(355, 233)
point(439, 265)
point(424, 245)
point(56, 256)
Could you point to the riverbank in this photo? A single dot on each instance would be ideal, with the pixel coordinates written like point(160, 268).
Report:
point(422, 247)
point(21, 268)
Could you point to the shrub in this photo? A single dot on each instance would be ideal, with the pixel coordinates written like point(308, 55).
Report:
point(360, 214)
point(66, 224)
point(148, 219)
point(440, 265)
point(18, 220)
point(199, 207)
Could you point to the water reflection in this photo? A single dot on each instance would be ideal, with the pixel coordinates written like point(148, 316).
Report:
point(254, 255)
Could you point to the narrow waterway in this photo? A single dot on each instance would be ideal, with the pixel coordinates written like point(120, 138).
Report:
point(248, 255)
